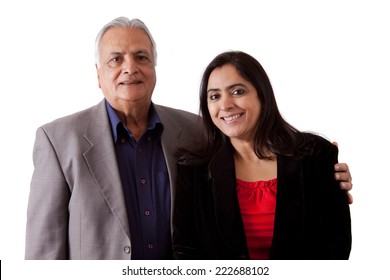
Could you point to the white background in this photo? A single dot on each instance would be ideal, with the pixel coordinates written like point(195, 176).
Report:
point(328, 61)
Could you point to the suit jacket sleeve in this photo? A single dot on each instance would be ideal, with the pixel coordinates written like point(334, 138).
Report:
point(334, 237)
point(47, 216)
point(327, 230)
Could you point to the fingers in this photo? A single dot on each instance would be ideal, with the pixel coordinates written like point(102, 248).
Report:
point(335, 143)
point(345, 180)
point(344, 176)
point(341, 167)
point(347, 186)
point(350, 198)
point(342, 172)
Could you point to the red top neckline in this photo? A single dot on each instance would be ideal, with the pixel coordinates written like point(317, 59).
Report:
point(257, 202)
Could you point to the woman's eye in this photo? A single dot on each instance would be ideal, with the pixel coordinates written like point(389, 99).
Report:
point(214, 96)
point(238, 92)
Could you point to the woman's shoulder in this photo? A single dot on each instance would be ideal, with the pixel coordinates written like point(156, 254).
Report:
point(314, 138)
point(317, 144)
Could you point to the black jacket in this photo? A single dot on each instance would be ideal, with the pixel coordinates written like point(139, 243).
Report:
point(312, 218)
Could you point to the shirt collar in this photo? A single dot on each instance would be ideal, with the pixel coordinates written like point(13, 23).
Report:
point(154, 120)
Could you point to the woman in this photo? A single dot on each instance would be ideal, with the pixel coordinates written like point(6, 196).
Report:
point(257, 188)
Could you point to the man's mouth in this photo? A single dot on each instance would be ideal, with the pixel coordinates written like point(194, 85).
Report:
point(128, 83)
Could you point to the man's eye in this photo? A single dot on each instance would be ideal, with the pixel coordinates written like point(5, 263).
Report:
point(143, 58)
point(115, 59)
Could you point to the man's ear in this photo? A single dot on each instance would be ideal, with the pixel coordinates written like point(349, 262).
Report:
point(97, 72)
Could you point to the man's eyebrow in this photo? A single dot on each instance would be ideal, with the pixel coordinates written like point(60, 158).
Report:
point(116, 53)
point(140, 51)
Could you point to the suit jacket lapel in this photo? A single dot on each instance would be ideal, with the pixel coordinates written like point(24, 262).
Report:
point(170, 140)
point(289, 215)
point(101, 160)
point(227, 211)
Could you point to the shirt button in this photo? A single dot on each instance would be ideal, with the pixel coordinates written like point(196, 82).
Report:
point(139, 150)
point(150, 246)
point(143, 181)
point(123, 140)
point(147, 213)
point(127, 249)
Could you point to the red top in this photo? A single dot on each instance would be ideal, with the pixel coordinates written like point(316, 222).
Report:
point(257, 204)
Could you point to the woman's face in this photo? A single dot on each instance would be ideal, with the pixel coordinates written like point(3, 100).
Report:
point(233, 103)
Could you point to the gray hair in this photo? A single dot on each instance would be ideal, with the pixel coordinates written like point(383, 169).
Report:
point(124, 22)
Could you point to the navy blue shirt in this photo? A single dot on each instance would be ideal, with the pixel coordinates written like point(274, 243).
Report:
point(146, 187)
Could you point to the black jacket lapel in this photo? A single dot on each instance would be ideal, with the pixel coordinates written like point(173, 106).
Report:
point(289, 215)
point(227, 211)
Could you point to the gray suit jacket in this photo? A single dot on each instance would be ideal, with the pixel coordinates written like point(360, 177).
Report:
point(76, 205)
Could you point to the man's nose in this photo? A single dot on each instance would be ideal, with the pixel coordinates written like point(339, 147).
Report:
point(129, 66)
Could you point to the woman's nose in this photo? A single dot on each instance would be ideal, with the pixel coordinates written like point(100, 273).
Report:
point(226, 102)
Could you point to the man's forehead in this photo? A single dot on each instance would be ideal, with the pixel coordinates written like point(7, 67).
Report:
point(126, 36)
point(124, 30)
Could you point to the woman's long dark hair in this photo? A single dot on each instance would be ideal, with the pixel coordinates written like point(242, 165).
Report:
point(273, 133)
